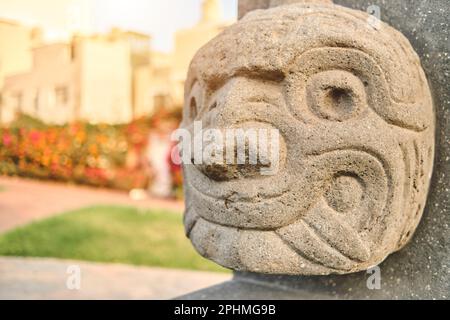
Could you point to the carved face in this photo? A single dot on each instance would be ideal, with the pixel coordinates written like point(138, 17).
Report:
point(355, 116)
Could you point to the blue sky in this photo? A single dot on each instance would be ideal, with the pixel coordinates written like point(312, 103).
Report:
point(160, 18)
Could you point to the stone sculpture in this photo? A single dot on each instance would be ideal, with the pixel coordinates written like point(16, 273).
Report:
point(355, 115)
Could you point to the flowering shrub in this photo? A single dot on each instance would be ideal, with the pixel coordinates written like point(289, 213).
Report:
point(81, 153)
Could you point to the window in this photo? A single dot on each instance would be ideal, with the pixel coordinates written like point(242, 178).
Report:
point(61, 95)
point(73, 51)
point(36, 101)
point(160, 101)
point(18, 101)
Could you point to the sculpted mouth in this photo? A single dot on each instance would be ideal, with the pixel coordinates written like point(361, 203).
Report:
point(226, 172)
point(252, 204)
point(254, 190)
point(249, 204)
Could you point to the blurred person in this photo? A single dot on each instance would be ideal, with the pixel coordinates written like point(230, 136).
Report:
point(159, 146)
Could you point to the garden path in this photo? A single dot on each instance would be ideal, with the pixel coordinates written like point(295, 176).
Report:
point(48, 279)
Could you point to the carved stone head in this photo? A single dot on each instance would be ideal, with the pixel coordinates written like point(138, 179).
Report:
point(356, 122)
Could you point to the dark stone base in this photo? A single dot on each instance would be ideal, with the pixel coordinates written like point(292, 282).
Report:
point(422, 269)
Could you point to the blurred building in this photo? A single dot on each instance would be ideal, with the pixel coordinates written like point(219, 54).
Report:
point(188, 41)
point(15, 48)
point(87, 79)
point(111, 78)
point(153, 84)
point(162, 81)
point(16, 43)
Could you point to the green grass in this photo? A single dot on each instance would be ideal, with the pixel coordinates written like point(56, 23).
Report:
point(109, 234)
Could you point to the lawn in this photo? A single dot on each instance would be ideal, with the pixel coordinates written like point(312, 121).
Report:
point(109, 234)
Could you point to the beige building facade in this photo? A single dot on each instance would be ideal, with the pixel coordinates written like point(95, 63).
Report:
point(153, 84)
point(188, 41)
point(88, 79)
point(47, 91)
point(15, 51)
point(161, 83)
point(110, 78)
point(15, 48)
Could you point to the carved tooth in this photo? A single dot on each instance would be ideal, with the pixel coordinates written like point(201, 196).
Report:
point(217, 243)
point(190, 219)
point(308, 244)
point(269, 253)
point(337, 233)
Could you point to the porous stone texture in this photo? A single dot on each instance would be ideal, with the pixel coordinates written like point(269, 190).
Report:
point(421, 269)
point(246, 6)
point(355, 114)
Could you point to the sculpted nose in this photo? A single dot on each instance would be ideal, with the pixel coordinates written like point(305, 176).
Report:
point(249, 150)
point(245, 149)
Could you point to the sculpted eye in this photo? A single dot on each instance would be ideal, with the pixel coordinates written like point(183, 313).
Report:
point(339, 101)
point(213, 106)
point(193, 111)
point(194, 102)
point(336, 95)
point(345, 192)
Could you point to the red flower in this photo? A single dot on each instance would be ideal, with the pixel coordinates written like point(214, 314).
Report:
point(7, 139)
point(35, 136)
